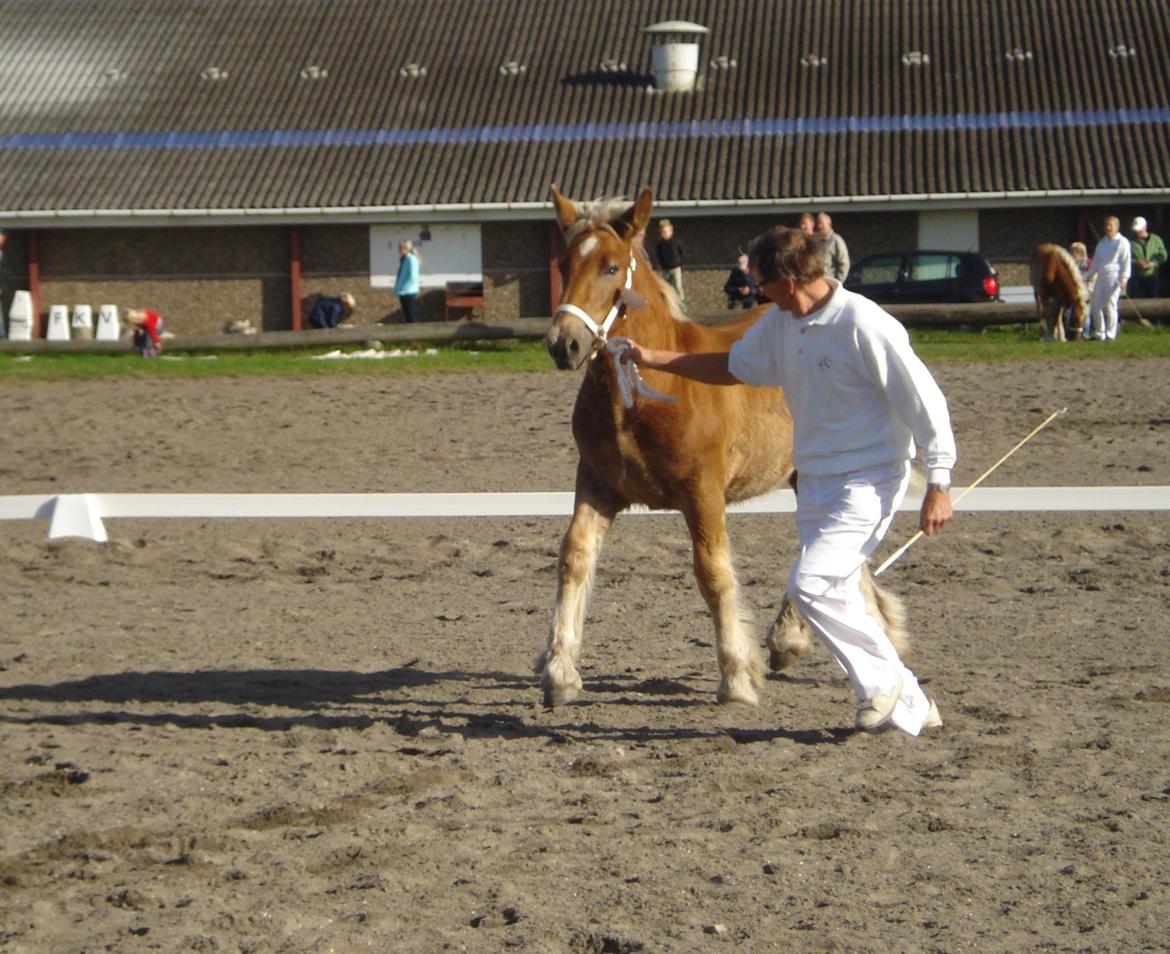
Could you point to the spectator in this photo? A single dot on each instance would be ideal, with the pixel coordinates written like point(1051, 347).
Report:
point(406, 284)
point(808, 223)
point(147, 328)
point(1080, 255)
point(833, 248)
point(1149, 255)
point(670, 254)
point(740, 286)
point(331, 312)
point(1110, 270)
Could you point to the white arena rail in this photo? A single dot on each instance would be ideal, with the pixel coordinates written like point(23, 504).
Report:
point(81, 515)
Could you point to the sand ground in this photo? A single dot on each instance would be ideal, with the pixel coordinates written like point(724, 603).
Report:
point(247, 735)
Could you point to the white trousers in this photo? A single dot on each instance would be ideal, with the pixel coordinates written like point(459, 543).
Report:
point(1103, 306)
point(840, 521)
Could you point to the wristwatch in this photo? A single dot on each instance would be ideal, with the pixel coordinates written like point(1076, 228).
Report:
point(941, 488)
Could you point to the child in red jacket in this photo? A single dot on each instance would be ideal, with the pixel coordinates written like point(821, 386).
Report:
point(147, 327)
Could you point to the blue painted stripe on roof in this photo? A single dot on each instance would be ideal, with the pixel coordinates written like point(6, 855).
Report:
point(577, 132)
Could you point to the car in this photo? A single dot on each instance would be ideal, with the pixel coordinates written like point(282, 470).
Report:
point(924, 277)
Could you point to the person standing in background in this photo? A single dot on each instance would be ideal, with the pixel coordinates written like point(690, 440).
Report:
point(1149, 255)
point(406, 284)
point(833, 248)
point(3, 332)
point(670, 254)
point(1110, 268)
point(808, 223)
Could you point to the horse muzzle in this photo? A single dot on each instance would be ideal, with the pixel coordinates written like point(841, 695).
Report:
point(568, 350)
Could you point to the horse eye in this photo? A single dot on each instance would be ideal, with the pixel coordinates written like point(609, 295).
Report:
point(612, 270)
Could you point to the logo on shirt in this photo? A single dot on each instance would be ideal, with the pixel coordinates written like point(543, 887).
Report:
point(824, 364)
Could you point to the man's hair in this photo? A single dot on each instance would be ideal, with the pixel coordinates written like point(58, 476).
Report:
point(786, 253)
point(665, 224)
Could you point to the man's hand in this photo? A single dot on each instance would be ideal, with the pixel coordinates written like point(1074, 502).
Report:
point(936, 511)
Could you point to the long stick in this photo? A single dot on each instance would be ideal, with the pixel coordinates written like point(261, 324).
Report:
point(975, 483)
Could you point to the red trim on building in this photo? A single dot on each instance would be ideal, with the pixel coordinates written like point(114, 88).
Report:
point(34, 281)
point(294, 274)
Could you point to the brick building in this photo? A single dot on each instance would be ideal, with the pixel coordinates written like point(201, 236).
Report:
point(224, 160)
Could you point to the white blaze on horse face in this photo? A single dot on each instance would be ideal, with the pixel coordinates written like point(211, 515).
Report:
point(587, 246)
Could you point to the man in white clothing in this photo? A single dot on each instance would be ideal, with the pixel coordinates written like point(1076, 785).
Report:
point(1111, 264)
point(833, 247)
point(860, 399)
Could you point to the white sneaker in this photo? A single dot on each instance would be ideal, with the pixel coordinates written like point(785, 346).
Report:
point(873, 713)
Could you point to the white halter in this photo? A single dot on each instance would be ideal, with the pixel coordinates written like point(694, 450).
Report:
point(601, 331)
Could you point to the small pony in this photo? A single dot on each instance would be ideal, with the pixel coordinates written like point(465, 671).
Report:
point(1057, 284)
point(679, 445)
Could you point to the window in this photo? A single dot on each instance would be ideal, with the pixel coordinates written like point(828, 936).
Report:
point(880, 270)
point(932, 267)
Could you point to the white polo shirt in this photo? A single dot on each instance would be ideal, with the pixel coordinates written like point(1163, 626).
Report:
point(859, 395)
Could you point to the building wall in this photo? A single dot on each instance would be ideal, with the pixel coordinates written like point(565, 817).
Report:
point(201, 278)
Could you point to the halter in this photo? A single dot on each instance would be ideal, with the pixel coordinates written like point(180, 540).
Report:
point(601, 331)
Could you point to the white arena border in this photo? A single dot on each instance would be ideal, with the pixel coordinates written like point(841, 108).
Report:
point(81, 515)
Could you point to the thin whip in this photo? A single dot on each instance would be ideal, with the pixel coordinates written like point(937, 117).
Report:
point(629, 379)
point(987, 473)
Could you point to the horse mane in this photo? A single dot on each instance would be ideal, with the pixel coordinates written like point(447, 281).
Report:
point(1074, 271)
point(598, 213)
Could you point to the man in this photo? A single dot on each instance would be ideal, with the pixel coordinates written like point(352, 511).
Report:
point(740, 287)
point(808, 223)
point(670, 254)
point(1149, 255)
point(1111, 267)
point(330, 312)
point(860, 400)
point(832, 247)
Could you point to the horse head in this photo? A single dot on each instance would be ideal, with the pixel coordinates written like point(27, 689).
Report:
point(598, 268)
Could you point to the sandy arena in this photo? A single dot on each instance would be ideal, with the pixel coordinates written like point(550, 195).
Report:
point(304, 735)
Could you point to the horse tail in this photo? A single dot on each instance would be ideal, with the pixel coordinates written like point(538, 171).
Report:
point(889, 610)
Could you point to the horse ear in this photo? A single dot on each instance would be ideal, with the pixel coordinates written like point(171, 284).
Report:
point(637, 216)
point(566, 209)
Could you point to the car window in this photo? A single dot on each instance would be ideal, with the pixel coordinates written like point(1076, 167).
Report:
point(881, 269)
point(932, 267)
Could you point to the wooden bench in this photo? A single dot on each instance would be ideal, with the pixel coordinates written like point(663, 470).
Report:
point(462, 295)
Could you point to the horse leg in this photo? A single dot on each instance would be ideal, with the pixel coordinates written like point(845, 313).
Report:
point(789, 637)
point(741, 665)
point(593, 514)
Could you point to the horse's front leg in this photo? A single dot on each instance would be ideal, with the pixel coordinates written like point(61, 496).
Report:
point(593, 514)
point(741, 664)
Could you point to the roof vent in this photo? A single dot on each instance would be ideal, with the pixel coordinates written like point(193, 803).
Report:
point(412, 71)
point(213, 74)
point(513, 68)
point(675, 58)
point(1121, 51)
point(314, 73)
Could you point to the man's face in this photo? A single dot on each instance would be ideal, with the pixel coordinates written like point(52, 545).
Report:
point(666, 231)
point(824, 225)
point(779, 291)
point(1111, 228)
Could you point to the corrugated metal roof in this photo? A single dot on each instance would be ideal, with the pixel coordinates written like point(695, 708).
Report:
point(270, 104)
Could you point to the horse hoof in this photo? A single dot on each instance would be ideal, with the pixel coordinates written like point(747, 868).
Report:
point(782, 658)
point(742, 693)
point(557, 696)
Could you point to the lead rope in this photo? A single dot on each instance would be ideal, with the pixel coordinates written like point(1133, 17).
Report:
point(629, 378)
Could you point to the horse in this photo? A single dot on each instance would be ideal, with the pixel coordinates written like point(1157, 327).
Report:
point(1057, 285)
point(689, 447)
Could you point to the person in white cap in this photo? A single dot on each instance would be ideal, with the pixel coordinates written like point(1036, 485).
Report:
point(862, 402)
point(1111, 266)
point(1149, 255)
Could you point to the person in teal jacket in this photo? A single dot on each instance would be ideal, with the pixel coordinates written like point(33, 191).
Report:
point(406, 284)
point(1149, 255)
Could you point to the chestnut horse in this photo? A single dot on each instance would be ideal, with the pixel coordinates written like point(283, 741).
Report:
point(1057, 285)
point(702, 448)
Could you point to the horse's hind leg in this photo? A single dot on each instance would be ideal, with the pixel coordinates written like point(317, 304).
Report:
point(741, 666)
point(580, 546)
point(789, 637)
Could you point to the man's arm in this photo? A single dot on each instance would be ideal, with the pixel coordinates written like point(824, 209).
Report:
point(707, 367)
